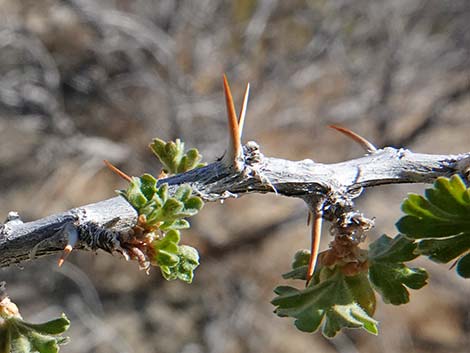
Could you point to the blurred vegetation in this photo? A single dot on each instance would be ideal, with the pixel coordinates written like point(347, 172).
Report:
point(83, 80)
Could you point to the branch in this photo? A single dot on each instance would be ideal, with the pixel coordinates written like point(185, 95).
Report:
point(100, 225)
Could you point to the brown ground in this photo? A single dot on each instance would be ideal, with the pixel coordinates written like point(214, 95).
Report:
point(82, 80)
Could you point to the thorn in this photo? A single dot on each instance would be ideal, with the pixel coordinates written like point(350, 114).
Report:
point(72, 238)
point(366, 145)
point(67, 250)
point(234, 149)
point(241, 119)
point(117, 171)
point(315, 243)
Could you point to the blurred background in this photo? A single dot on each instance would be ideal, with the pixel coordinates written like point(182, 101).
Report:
point(84, 80)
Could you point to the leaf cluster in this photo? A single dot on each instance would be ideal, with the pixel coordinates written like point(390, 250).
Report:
point(440, 222)
point(18, 336)
point(164, 217)
point(335, 300)
point(171, 154)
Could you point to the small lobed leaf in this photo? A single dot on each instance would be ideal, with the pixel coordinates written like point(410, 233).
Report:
point(350, 316)
point(189, 161)
point(148, 185)
point(444, 250)
point(171, 155)
point(189, 261)
point(18, 336)
point(134, 194)
point(399, 249)
point(440, 221)
point(53, 327)
point(299, 266)
point(335, 302)
point(387, 272)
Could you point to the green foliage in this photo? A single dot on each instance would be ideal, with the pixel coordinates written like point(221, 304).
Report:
point(171, 155)
point(440, 222)
point(333, 301)
point(18, 336)
point(175, 261)
point(387, 272)
point(164, 215)
point(336, 300)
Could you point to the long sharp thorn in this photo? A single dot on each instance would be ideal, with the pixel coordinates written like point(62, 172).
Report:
point(366, 145)
point(234, 149)
point(117, 171)
point(241, 119)
point(315, 245)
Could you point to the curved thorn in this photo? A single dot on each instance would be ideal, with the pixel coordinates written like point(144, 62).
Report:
point(241, 119)
point(234, 148)
point(315, 244)
point(117, 171)
point(366, 145)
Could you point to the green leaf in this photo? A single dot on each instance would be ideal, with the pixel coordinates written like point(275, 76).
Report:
point(387, 272)
point(167, 251)
point(350, 316)
point(362, 292)
point(18, 336)
point(440, 221)
point(176, 225)
point(387, 249)
point(189, 261)
point(134, 194)
point(148, 185)
point(444, 250)
point(189, 161)
point(194, 204)
point(299, 266)
point(334, 301)
point(391, 279)
point(183, 193)
point(171, 155)
point(53, 327)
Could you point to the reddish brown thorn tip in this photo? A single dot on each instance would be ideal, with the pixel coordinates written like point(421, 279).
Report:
point(241, 118)
point(234, 133)
point(315, 243)
point(366, 145)
point(67, 250)
point(117, 171)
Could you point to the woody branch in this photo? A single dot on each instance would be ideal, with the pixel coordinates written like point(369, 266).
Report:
point(244, 169)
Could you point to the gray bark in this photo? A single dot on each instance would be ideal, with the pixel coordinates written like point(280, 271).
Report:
point(98, 224)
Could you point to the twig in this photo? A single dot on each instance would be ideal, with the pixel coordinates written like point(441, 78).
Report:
point(301, 179)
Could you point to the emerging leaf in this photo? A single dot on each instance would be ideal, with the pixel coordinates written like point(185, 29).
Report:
point(175, 261)
point(171, 155)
